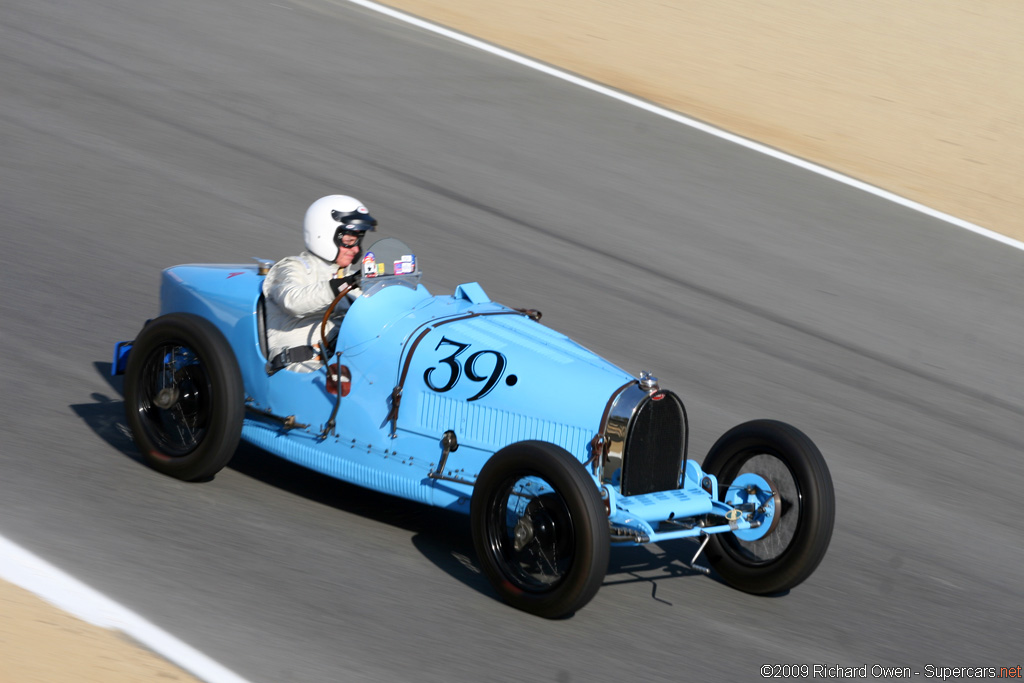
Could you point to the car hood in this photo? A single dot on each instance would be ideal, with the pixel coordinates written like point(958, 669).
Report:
point(483, 370)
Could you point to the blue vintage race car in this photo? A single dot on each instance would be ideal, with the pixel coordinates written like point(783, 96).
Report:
point(461, 402)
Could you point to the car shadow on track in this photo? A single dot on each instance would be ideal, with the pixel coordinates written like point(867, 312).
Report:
point(441, 536)
point(653, 564)
point(105, 415)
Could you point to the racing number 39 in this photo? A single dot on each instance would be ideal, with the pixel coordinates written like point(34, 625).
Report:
point(455, 369)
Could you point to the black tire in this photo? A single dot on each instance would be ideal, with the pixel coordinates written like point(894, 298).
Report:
point(541, 492)
point(184, 398)
point(799, 537)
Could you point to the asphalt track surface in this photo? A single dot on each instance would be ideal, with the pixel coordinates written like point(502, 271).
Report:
point(140, 135)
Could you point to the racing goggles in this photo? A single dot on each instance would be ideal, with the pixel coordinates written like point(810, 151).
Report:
point(342, 243)
point(352, 225)
point(349, 230)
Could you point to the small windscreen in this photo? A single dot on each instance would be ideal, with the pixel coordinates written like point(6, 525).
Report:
point(388, 256)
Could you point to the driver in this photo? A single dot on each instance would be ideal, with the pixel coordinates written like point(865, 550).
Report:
point(299, 288)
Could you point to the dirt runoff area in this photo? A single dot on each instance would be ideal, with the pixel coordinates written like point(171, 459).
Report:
point(922, 98)
point(41, 644)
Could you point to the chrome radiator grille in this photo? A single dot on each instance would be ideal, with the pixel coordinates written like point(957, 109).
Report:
point(655, 445)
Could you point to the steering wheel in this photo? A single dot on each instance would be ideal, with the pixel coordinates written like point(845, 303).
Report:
point(327, 315)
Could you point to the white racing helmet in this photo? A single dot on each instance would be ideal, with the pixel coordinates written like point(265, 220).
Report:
point(330, 218)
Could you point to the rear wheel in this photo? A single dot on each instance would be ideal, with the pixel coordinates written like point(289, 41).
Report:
point(776, 465)
point(184, 398)
point(540, 529)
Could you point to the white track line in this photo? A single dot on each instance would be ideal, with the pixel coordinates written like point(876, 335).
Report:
point(22, 568)
point(686, 121)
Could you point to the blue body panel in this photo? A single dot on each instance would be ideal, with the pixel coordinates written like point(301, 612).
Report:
point(466, 364)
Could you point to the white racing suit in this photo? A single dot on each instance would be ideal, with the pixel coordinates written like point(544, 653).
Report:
point(298, 291)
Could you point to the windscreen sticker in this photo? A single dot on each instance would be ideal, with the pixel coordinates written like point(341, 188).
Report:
point(369, 265)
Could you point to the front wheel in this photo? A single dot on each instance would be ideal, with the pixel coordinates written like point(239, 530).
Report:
point(540, 529)
point(184, 398)
point(777, 456)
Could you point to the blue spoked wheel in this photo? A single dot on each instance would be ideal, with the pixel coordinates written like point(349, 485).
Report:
point(184, 398)
point(540, 529)
point(775, 473)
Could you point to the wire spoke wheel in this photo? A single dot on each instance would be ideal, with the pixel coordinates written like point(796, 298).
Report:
point(531, 531)
point(184, 399)
point(803, 513)
point(174, 408)
point(540, 529)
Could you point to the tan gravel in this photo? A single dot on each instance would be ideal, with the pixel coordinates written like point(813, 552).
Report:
point(41, 644)
point(922, 98)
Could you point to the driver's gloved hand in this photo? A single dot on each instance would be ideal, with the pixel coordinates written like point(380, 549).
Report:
point(337, 284)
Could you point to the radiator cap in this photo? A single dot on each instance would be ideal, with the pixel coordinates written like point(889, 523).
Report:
point(648, 382)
